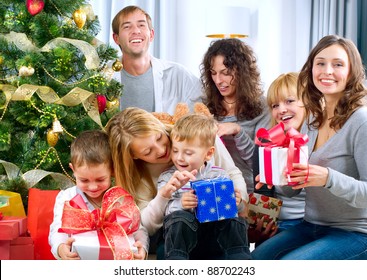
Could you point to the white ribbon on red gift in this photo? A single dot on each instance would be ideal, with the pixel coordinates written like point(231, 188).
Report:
point(118, 217)
point(277, 137)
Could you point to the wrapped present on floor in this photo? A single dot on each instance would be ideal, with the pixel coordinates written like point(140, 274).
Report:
point(20, 248)
point(216, 199)
point(12, 227)
point(11, 204)
point(108, 230)
point(277, 153)
point(15, 244)
point(262, 206)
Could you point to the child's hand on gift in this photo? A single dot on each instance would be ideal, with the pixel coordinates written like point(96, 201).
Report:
point(178, 179)
point(245, 210)
point(141, 254)
point(64, 250)
point(238, 197)
point(189, 200)
point(239, 202)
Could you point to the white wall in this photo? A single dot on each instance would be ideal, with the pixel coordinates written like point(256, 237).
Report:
point(279, 33)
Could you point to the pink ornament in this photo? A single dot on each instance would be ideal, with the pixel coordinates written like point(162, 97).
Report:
point(35, 6)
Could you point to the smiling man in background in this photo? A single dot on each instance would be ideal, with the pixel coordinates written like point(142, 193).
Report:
point(149, 83)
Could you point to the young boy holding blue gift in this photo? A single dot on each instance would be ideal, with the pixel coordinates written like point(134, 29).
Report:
point(193, 139)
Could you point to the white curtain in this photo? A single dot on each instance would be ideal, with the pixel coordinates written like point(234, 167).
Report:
point(337, 17)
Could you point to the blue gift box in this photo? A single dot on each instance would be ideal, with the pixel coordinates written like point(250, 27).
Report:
point(216, 199)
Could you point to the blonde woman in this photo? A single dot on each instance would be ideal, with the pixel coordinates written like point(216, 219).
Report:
point(286, 108)
point(141, 151)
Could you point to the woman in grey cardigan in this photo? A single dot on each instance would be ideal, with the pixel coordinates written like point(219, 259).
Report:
point(334, 227)
point(233, 94)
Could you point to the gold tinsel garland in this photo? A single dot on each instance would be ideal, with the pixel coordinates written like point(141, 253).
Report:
point(32, 177)
point(22, 42)
point(48, 95)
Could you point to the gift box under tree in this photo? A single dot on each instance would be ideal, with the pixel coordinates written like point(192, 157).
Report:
point(15, 243)
point(216, 199)
point(278, 151)
point(11, 204)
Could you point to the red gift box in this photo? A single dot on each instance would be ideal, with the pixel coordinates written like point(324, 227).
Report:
point(12, 227)
point(20, 248)
point(14, 242)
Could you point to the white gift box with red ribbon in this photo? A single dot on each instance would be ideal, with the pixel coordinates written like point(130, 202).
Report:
point(103, 233)
point(89, 247)
point(278, 150)
point(273, 164)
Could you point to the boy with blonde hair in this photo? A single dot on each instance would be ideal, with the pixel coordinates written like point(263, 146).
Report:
point(193, 138)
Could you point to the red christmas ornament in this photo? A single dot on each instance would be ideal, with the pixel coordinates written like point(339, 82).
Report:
point(102, 101)
point(35, 6)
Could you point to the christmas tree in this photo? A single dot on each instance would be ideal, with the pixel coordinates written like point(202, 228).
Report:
point(54, 83)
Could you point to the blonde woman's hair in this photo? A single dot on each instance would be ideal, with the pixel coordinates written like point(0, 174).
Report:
point(122, 128)
point(195, 126)
point(281, 88)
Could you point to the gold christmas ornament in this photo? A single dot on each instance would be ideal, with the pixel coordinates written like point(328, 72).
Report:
point(52, 138)
point(117, 66)
point(1, 60)
point(80, 18)
point(56, 126)
point(25, 71)
point(112, 104)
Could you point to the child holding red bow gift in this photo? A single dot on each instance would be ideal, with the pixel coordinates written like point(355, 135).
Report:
point(286, 108)
point(91, 162)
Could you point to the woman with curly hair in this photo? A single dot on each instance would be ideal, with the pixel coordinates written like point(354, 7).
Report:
point(234, 95)
point(334, 226)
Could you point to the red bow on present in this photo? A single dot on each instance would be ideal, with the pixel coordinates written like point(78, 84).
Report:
point(118, 217)
point(276, 137)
